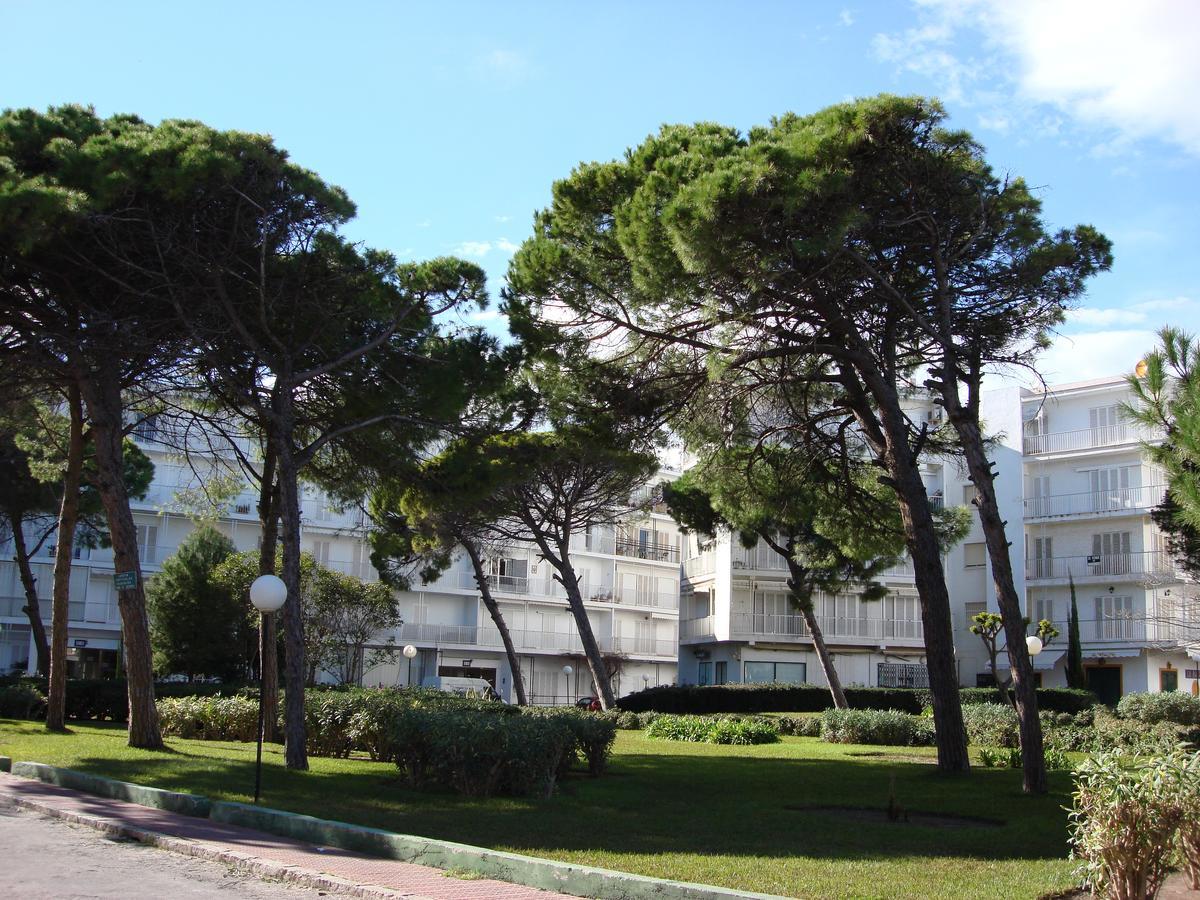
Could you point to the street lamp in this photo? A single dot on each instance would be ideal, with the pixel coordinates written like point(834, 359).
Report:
point(1034, 644)
point(409, 652)
point(268, 594)
point(567, 670)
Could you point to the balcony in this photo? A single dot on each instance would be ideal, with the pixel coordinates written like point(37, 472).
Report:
point(1131, 628)
point(15, 607)
point(646, 599)
point(1087, 439)
point(1107, 566)
point(793, 627)
point(760, 558)
point(1123, 501)
point(699, 566)
point(487, 636)
point(648, 551)
point(696, 628)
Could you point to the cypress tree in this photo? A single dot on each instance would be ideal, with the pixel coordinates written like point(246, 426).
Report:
point(1076, 677)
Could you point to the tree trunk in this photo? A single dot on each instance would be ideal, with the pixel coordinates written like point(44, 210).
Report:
point(32, 608)
point(102, 392)
point(1033, 758)
point(68, 516)
point(591, 649)
point(268, 643)
point(295, 670)
point(493, 608)
point(802, 597)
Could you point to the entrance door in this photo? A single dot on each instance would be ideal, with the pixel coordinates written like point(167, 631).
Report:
point(1105, 683)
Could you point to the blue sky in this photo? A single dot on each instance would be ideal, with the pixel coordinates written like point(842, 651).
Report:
point(448, 122)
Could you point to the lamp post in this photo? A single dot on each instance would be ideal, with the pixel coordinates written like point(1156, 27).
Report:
point(567, 670)
point(409, 652)
point(1033, 644)
point(268, 594)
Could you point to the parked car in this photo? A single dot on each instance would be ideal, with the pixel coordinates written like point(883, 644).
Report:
point(592, 704)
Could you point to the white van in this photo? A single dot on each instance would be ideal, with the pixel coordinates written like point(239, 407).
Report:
point(466, 687)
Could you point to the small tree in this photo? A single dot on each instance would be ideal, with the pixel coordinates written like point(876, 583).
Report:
point(341, 616)
point(198, 626)
point(989, 627)
point(1076, 676)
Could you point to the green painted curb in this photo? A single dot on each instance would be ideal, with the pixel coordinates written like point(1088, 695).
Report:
point(548, 874)
point(187, 804)
point(5, 764)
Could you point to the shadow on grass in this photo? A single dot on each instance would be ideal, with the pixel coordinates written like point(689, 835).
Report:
point(651, 804)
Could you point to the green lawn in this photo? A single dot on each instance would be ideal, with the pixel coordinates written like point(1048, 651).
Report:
point(733, 816)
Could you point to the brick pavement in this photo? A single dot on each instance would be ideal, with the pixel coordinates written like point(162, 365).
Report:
point(327, 868)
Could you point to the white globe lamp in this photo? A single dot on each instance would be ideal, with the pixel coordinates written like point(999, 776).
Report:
point(409, 651)
point(1034, 644)
point(268, 593)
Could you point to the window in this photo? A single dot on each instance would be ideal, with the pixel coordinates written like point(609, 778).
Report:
point(769, 672)
point(773, 614)
point(1114, 618)
point(147, 539)
point(507, 573)
point(1043, 608)
point(969, 494)
point(1039, 500)
point(1168, 679)
point(1042, 564)
point(706, 673)
point(722, 672)
point(973, 555)
point(146, 428)
point(1110, 553)
point(320, 551)
point(1110, 488)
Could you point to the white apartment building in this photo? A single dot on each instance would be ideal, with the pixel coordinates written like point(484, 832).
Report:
point(630, 577)
point(1076, 490)
point(1088, 493)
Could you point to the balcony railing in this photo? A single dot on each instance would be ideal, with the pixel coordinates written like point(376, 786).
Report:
point(902, 569)
point(760, 558)
point(15, 607)
point(1130, 628)
point(697, 628)
point(647, 599)
point(1092, 503)
point(1148, 563)
point(645, 646)
point(794, 626)
point(527, 640)
point(649, 551)
point(704, 564)
point(1087, 438)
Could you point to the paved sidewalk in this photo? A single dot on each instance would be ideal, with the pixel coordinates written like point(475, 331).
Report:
point(326, 868)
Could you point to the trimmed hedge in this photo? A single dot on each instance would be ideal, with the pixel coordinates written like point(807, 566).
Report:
point(209, 718)
point(107, 700)
point(21, 701)
point(876, 726)
point(756, 698)
point(1167, 706)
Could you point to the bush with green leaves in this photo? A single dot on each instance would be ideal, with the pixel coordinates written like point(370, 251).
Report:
point(991, 725)
point(714, 729)
point(1165, 706)
point(594, 732)
point(21, 701)
point(876, 726)
point(1188, 801)
point(482, 755)
point(800, 726)
point(209, 718)
point(1124, 820)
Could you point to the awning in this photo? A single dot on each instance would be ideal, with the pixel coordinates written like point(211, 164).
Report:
point(1045, 661)
point(1111, 654)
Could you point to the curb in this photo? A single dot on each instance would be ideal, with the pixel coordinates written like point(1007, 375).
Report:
point(530, 871)
point(155, 798)
point(243, 862)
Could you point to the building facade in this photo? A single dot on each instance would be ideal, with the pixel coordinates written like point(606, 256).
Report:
point(630, 577)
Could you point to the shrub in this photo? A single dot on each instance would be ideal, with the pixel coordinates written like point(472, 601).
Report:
point(864, 726)
point(628, 721)
point(209, 718)
point(800, 726)
point(754, 698)
point(21, 701)
point(989, 758)
point(1056, 761)
point(1167, 706)
point(481, 755)
point(1189, 816)
point(714, 729)
point(991, 724)
point(1123, 822)
point(594, 732)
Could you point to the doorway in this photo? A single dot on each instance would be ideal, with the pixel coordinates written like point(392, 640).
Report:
point(1105, 683)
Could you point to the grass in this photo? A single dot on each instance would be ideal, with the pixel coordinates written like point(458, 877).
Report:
point(741, 817)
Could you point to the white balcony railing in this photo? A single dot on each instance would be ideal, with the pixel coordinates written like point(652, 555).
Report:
point(696, 628)
point(704, 564)
point(645, 646)
point(794, 626)
point(526, 640)
point(654, 552)
point(1130, 628)
point(648, 599)
point(1087, 438)
point(1092, 503)
point(759, 557)
point(1119, 566)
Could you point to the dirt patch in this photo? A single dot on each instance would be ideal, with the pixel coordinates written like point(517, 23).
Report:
point(905, 817)
point(899, 757)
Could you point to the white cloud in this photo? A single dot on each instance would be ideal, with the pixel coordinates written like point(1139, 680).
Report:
point(1131, 67)
point(1173, 304)
point(502, 219)
point(502, 68)
point(1094, 354)
point(1091, 317)
point(424, 224)
point(507, 246)
point(478, 249)
point(846, 17)
point(485, 316)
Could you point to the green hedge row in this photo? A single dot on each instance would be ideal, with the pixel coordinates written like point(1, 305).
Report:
point(756, 698)
point(714, 729)
point(107, 700)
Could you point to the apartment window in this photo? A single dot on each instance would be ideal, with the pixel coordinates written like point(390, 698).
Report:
point(1168, 679)
point(1110, 488)
point(974, 555)
point(1042, 563)
point(507, 573)
point(721, 672)
point(1114, 618)
point(320, 551)
point(1039, 503)
point(773, 614)
point(147, 538)
point(772, 672)
point(146, 428)
point(1110, 553)
point(1043, 608)
point(706, 673)
point(969, 493)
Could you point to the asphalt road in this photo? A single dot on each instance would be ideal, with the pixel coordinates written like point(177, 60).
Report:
point(44, 859)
